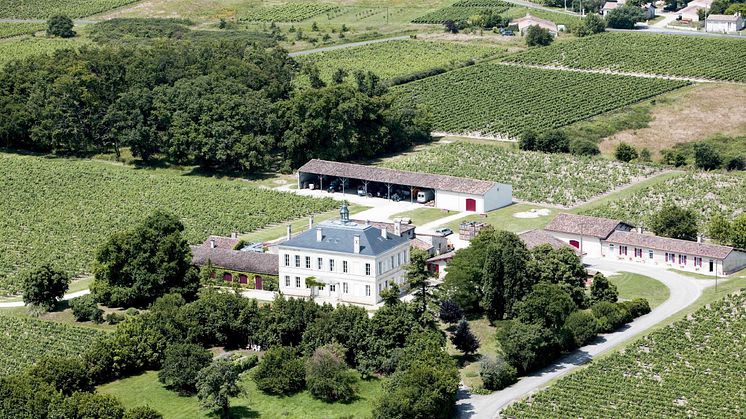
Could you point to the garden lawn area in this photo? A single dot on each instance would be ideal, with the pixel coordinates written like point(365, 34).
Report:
point(59, 211)
point(145, 389)
point(422, 216)
point(488, 346)
point(504, 219)
point(631, 285)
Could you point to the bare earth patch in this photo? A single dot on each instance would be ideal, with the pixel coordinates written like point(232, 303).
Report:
point(691, 114)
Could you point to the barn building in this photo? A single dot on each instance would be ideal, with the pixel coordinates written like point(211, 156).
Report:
point(448, 192)
point(724, 23)
point(254, 269)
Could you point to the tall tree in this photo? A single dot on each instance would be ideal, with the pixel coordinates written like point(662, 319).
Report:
point(44, 286)
point(547, 305)
point(675, 222)
point(464, 339)
point(562, 267)
point(418, 279)
point(181, 364)
point(603, 290)
point(505, 280)
point(216, 384)
point(61, 26)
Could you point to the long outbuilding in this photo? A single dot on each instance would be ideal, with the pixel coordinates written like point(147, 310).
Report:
point(448, 192)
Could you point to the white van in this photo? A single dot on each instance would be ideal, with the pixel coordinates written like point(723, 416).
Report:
point(425, 195)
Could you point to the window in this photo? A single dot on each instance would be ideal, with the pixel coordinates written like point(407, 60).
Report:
point(611, 249)
point(638, 253)
point(698, 262)
point(670, 257)
point(344, 266)
point(297, 282)
point(682, 259)
point(308, 262)
point(331, 264)
point(380, 265)
point(297, 261)
point(367, 290)
point(379, 287)
point(367, 269)
point(345, 288)
point(287, 260)
point(398, 259)
point(623, 250)
point(392, 262)
point(712, 265)
point(320, 263)
point(332, 288)
point(650, 254)
point(287, 281)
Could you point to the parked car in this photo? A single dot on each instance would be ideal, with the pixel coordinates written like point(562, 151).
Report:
point(424, 196)
point(444, 231)
point(361, 191)
point(506, 32)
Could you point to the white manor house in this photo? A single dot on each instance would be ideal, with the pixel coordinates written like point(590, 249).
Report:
point(353, 261)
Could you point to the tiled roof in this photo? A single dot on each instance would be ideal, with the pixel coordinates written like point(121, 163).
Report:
point(397, 177)
point(236, 260)
point(339, 237)
point(669, 245)
point(583, 225)
point(610, 5)
point(533, 238)
point(420, 244)
point(530, 20)
point(444, 256)
point(723, 18)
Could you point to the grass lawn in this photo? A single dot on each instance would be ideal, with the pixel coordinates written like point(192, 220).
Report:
point(145, 389)
point(469, 366)
point(503, 219)
point(632, 285)
point(301, 224)
point(422, 216)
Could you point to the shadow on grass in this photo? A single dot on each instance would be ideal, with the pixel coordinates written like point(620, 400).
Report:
point(241, 412)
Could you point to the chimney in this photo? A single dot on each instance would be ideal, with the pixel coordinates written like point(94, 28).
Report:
point(310, 222)
point(234, 235)
point(212, 243)
point(356, 243)
point(319, 234)
point(290, 232)
point(384, 233)
point(639, 229)
point(699, 238)
point(397, 227)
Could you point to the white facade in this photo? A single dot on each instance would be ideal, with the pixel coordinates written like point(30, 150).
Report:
point(724, 24)
point(588, 245)
point(498, 196)
point(666, 260)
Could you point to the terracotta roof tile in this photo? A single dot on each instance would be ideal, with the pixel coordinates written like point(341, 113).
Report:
point(584, 225)
point(669, 245)
point(534, 238)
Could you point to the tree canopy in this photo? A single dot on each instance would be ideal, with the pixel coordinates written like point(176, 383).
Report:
point(675, 222)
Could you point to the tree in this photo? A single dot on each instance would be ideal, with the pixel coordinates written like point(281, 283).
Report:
point(562, 267)
point(625, 152)
point(720, 229)
point(67, 374)
point(388, 331)
point(314, 76)
point(581, 147)
point(610, 315)
point(25, 396)
point(450, 26)
point(216, 383)
point(593, 23)
point(537, 36)
point(624, 17)
point(182, 363)
point(735, 162)
point(391, 294)
point(142, 412)
point(282, 371)
point(496, 373)
point(450, 312)
point(44, 286)
point(135, 267)
point(603, 290)
point(527, 346)
point(418, 279)
point(327, 375)
point(347, 325)
point(504, 280)
point(738, 232)
point(338, 77)
point(84, 308)
point(87, 405)
point(528, 140)
point(554, 141)
point(219, 318)
point(645, 155)
point(61, 26)
point(706, 157)
point(675, 222)
point(582, 326)
point(547, 305)
point(463, 338)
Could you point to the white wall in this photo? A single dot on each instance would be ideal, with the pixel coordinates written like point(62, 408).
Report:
point(591, 246)
point(501, 195)
point(723, 26)
point(659, 259)
point(735, 261)
point(455, 201)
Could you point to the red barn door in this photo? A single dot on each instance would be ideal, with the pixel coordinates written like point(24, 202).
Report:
point(471, 204)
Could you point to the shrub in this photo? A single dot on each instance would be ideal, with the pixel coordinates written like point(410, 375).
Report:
point(527, 346)
point(497, 374)
point(603, 290)
point(87, 405)
point(327, 375)
point(85, 309)
point(625, 152)
point(706, 157)
point(115, 318)
point(592, 24)
point(637, 307)
point(450, 311)
point(44, 286)
point(582, 326)
point(61, 26)
point(142, 412)
point(624, 17)
point(735, 163)
point(584, 148)
point(181, 364)
point(610, 315)
point(67, 374)
point(281, 371)
point(538, 37)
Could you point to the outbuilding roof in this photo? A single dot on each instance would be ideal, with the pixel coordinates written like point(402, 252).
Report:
point(530, 20)
point(723, 18)
point(397, 177)
point(236, 260)
point(670, 245)
point(339, 236)
point(534, 238)
point(584, 225)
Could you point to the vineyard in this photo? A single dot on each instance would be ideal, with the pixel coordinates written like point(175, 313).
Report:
point(60, 211)
point(694, 368)
point(17, 48)
point(397, 58)
point(14, 29)
point(41, 9)
point(685, 56)
point(291, 12)
point(705, 193)
point(24, 340)
point(504, 100)
point(557, 179)
point(463, 10)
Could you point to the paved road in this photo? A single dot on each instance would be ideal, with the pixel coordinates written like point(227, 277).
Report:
point(348, 45)
point(684, 291)
point(69, 296)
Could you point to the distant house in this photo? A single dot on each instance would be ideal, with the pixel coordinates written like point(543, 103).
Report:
point(583, 232)
point(724, 23)
point(529, 20)
point(438, 264)
point(647, 9)
point(255, 269)
point(691, 11)
point(609, 6)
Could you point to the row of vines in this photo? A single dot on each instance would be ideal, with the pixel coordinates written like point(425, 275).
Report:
point(556, 179)
point(694, 368)
point(22, 47)
point(290, 12)
point(60, 211)
point(463, 10)
point(14, 29)
point(41, 9)
point(504, 100)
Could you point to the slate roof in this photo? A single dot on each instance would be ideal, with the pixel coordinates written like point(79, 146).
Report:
point(397, 177)
point(388, 226)
point(669, 245)
point(534, 238)
point(338, 237)
point(236, 260)
point(584, 225)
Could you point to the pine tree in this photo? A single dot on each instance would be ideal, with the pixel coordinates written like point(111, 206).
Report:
point(464, 339)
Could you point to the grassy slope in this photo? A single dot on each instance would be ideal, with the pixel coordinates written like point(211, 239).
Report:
point(632, 286)
point(422, 216)
point(146, 390)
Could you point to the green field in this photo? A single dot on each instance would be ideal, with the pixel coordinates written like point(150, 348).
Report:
point(145, 389)
point(422, 216)
point(24, 340)
point(558, 179)
point(631, 286)
point(716, 58)
point(290, 12)
point(504, 100)
point(703, 192)
point(13, 29)
point(40, 9)
point(397, 58)
point(59, 210)
point(22, 47)
point(505, 219)
point(463, 10)
point(693, 368)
